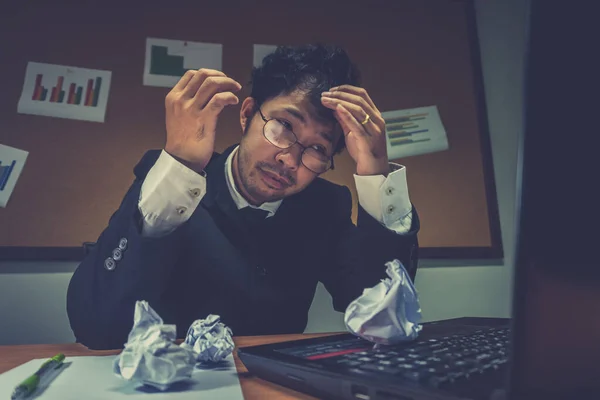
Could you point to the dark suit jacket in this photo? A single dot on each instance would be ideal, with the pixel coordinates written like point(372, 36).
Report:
point(259, 278)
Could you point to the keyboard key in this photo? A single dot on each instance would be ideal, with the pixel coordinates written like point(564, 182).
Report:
point(412, 375)
point(380, 368)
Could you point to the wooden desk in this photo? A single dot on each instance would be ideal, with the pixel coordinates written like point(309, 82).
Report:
point(252, 387)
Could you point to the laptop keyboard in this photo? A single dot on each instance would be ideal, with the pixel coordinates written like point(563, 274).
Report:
point(433, 362)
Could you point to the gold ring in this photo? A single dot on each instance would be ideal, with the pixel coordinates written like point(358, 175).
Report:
point(367, 118)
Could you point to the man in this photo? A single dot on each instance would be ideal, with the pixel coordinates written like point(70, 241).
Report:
point(249, 233)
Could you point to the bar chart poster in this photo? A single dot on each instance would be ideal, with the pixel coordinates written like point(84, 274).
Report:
point(12, 162)
point(414, 131)
point(65, 92)
point(167, 60)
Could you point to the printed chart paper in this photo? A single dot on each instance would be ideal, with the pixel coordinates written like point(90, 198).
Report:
point(12, 162)
point(260, 51)
point(167, 60)
point(65, 92)
point(414, 131)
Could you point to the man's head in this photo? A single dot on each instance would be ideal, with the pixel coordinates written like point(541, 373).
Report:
point(289, 136)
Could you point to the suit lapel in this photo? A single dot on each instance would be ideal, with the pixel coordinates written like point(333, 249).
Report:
point(220, 204)
point(217, 193)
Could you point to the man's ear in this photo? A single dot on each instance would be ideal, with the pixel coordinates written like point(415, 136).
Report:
point(247, 112)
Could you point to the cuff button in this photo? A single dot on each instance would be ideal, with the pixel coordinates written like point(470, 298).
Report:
point(195, 192)
point(117, 254)
point(109, 264)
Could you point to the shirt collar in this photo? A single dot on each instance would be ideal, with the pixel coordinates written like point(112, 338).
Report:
point(238, 199)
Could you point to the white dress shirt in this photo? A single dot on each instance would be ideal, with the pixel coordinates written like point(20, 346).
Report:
point(171, 192)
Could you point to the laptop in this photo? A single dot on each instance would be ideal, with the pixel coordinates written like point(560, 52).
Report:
point(550, 348)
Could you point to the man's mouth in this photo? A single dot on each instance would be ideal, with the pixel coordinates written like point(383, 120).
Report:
point(275, 180)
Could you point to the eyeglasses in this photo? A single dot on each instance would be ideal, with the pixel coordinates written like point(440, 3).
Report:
point(279, 135)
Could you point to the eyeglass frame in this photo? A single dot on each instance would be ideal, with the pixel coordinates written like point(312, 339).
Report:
point(266, 120)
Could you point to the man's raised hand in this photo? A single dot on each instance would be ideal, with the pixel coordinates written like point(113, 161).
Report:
point(192, 108)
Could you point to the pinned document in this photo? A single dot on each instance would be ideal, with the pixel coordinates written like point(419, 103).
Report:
point(260, 52)
point(65, 92)
point(167, 60)
point(414, 131)
point(12, 162)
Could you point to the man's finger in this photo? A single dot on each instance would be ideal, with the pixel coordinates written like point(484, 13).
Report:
point(355, 112)
point(184, 80)
point(199, 76)
point(214, 107)
point(348, 122)
point(356, 91)
point(213, 85)
point(354, 99)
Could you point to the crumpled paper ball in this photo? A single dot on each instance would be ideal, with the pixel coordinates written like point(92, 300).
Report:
point(150, 356)
point(389, 312)
point(209, 339)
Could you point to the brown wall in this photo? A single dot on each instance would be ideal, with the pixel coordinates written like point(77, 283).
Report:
point(411, 54)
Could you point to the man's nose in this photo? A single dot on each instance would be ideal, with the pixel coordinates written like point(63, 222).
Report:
point(291, 157)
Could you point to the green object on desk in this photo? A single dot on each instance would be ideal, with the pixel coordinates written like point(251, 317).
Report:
point(30, 384)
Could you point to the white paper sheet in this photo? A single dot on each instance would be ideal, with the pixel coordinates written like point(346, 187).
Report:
point(12, 162)
point(92, 378)
point(414, 131)
point(65, 92)
point(167, 60)
point(260, 51)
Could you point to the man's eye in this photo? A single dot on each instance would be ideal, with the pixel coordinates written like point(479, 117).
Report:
point(285, 123)
point(320, 149)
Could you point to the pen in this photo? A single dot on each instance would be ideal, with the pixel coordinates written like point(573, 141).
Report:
point(30, 384)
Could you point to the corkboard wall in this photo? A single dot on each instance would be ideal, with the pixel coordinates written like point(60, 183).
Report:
point(411, 53)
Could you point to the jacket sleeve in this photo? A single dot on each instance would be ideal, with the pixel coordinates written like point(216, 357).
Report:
point(359, 252)
point(110, 279)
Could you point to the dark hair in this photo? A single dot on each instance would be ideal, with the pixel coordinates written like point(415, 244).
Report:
point(313, 69)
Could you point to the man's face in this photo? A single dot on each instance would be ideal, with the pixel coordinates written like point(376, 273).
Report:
point(265, 172)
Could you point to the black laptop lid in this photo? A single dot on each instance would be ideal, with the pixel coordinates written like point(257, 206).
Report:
point(557, 276)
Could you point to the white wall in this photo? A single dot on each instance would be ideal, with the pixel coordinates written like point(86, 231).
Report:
point(32, 295)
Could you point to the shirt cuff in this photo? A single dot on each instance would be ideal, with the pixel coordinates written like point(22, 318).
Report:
point(386, 198)
point(169, 195)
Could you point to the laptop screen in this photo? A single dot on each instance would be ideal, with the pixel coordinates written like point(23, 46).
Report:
point(557, 273)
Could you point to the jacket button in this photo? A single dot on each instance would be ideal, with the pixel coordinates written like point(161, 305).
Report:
point(117, 254)
point(123, 244)
point(109, 264)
